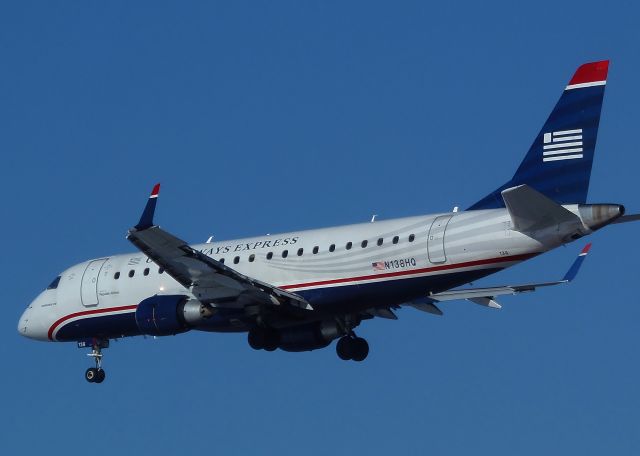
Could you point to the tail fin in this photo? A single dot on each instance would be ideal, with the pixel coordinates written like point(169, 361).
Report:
point(558, 164)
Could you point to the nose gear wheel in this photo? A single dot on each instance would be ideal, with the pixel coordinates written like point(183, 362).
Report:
point(96, 374)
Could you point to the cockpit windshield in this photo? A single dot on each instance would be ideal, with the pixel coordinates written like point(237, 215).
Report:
point(53, 285)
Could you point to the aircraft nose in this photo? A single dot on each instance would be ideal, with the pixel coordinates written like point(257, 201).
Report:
point(31, 325)
point(23, 323)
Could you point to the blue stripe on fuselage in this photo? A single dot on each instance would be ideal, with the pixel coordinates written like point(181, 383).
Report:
point(325, 301)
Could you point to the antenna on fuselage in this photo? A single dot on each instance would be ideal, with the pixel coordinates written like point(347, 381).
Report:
point(373, 218)
point(209, 240)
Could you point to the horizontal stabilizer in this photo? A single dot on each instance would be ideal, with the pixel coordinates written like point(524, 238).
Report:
point(627, 218)
point(530, 210)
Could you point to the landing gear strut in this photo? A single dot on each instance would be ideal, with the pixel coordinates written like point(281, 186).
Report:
point(351, 347)
point(96, 374)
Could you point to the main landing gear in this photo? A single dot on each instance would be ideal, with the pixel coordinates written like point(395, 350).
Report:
point(351, 347)
point(96, 374)
point(313, 336)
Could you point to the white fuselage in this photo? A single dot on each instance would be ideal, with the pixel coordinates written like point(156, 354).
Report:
point(339, 269)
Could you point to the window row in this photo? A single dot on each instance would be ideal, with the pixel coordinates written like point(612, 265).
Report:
point(132, 273)
point(284, 253)
point(316, 249)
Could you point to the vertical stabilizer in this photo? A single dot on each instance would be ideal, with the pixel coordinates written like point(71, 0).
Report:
point(558, 164)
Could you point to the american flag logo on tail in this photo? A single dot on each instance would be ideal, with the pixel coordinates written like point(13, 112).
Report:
point(562, 145)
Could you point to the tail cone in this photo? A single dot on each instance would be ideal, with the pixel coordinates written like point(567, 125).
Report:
point(595, 216)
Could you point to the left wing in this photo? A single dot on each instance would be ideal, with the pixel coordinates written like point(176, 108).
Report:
point(208, 279)
point(486, 296)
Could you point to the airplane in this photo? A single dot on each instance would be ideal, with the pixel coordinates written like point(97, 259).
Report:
point(302, 290)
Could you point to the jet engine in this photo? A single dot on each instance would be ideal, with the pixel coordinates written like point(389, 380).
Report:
point(169, 314)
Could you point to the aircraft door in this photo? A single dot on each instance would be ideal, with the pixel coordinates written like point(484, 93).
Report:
point(435, 239)
point(89, 285)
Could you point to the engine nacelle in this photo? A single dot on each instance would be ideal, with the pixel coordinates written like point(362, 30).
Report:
point(309, 337)
point(162, 315)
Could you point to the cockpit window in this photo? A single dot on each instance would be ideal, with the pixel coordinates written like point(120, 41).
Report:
point(53, 285)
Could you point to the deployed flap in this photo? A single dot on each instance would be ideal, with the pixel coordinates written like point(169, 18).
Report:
point(531, 210)
point(426, 306)
point(487, 302)
point(382, 312)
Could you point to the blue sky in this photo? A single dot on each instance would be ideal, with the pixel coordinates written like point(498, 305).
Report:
point(259, 117)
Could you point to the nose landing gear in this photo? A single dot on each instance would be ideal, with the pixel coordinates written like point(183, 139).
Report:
point(95, 374)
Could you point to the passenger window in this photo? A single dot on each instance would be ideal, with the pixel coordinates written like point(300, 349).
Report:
point(251, 258)
point(146, 271)
point(116, 276)
point(285, 253)
point(221, 260)
point(332, 247)
point(269, 255)
point(315, 249)
point(132, 273)
point(412, 237)
point(396, 239)
point(300, 252)
point(349, 244)
point(160, 270)
point(380, 241)
point(364, 244)
point(53, 285)
point(236, 260)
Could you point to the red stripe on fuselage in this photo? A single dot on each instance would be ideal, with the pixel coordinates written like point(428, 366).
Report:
point(86, 312)
point(444, 267)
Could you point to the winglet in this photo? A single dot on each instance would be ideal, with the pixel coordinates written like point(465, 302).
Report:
point(575, 267)
point(146, 220)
